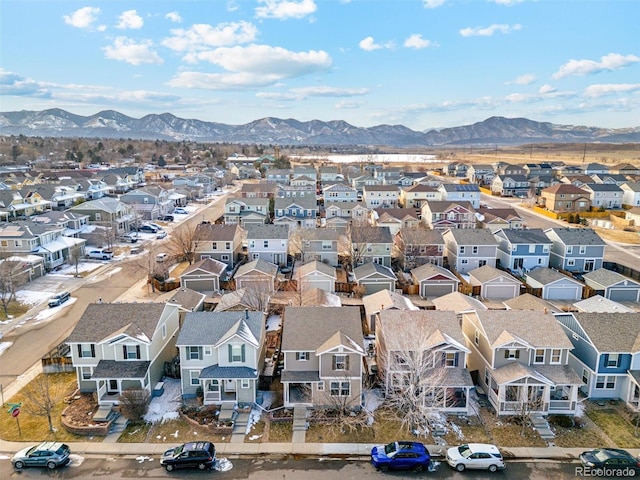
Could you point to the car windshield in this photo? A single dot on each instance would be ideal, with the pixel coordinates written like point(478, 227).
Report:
point(63, 449)
point(390, 449)
point(465, 451)
point(178, 450)
point(601, 455)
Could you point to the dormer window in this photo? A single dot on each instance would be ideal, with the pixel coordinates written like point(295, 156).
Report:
point(512, 353)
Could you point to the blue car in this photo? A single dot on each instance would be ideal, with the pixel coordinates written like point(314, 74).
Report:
point(401, 456)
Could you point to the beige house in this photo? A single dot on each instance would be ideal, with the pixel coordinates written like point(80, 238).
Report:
point(565, 198)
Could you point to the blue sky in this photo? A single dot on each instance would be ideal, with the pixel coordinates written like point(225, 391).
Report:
point(421, 63)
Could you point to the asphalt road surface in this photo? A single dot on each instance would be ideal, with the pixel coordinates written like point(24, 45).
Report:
point(282, 468)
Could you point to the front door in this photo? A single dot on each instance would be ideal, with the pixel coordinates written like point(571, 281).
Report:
point(112, 387)
point(589, 265)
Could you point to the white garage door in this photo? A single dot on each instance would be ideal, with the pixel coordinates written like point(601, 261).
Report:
point(499, 291)
point(562, 293)
point(623, 295)
point(376, 287)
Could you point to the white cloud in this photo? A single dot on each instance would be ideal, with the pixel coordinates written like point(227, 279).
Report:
point(370, 45)
point(329, 91)
point(433, 3)
point(546, 89)
point(525, 79)
point(283, 9)
point(174, 17)
point(347, 105)
point(201, 36)
point(266, 60)
point(127, 50)
point(83, 18)
point(612, 61)
point(222, 81)
point(594, 91)
point(490, 30)
point(129, 20)
point(416, 41)
point(14, 84)
point(508, 3)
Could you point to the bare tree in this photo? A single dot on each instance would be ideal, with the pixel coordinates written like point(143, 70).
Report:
point(526, 398)
point(10, 280)
point(340, 409)
point(360, 240)
point(413, 374)
point(41, 397)
point(257, 296)
point(299, 241)
point(75, 255)
point(182, 241)
point(154, 269)
point(134, 403)
point(107, 234)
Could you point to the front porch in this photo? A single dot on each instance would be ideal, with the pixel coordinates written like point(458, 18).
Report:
point(228, 385)
point(113, 377)
point(298, 387)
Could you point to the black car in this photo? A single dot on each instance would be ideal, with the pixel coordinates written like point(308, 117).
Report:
point(189, 455)
point(166, 218)
point(609, 459)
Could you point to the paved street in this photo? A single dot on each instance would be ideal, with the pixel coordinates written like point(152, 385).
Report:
point(280, 468)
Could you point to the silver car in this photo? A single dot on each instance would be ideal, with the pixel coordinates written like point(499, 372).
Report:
point(475, 455)
point(45, 454)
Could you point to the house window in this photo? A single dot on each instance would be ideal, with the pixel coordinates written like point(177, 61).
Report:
point(194, 377)
point(340, 389)
point(207, 351)
point(539, 357)
point(462, 249)
point(236, 353)
point(326, 245)
point(214, 245)
point(320, 386)
point(477, 337)
point(194, 353)
point(4, 243)
point(571, 262)
point(244, 383)
point(227, 245)
point(585, 376)
point(131, 352)
point(613, 360)
point(605, 382)
point(302, 356)
point(512, 353)
point(340, 362)
point(86, 372)
point(486, 376)
point(474, 249)
point(450, 359)
point(86, 350)
point(570, 249)
point(555, 355)
point(583, 250)
point(464, 261)
point(224, 258)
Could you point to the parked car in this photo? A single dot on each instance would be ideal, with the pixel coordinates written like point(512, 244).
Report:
point(147, 229)
point(161, 257)
point(59, 299)
point(161, 234)
point(166, 218)
point(180, 211)
point(100, 254)
point(609, 458)
point(475, 455)
point(155, 225)
point(131, 237)
point(46, 454)
point(191, 454)
point(401, 456)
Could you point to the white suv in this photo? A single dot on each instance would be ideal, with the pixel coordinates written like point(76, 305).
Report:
point(100, 254)
point(475, 455)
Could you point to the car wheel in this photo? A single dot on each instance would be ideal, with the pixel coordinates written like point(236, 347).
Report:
point(51, 465)
point(418, 468)
point(105, 258)
point(169, 467)
point(202, 466)
point(460, 467)
point(19, 465)
point(493, 468)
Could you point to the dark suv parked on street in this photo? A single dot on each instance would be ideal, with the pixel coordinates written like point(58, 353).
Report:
point(192, 454)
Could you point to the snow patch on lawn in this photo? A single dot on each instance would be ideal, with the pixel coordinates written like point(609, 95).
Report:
point(372, 400)
point(256, 412)
point(165, 407)
point(274, 323)
point(580, 410)
point(45, 315)
point(82, 267)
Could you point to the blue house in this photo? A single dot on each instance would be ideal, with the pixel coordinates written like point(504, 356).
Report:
point(523, 250)
point(606, 354)
point(296, 212)
point(577, 250)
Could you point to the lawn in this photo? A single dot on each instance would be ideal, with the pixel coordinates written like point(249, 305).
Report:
point(36, 428)
point(507, 432)
point(14, 309)
point(583, 434)
point(615, 426)
point(171, 431)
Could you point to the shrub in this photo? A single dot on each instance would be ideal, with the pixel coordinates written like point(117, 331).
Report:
point(134, 403)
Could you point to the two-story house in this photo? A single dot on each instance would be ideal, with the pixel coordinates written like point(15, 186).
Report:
point(323, 349)
point(280, 176)
point(222, 355)
point(149, 202)
point(499, 218)
point(523, 250)
point(220, 242)
point(315, 244)
point(415, 195)
point(510, 186)
point(298, 212)
point(380, 196)
point(119, 346)
point(415, 247)
point(630, 194)
point(395, 218)
point(604, 195)
point(330, 173)
point(480, 174)
point(420, 347)
point(246, 211)
point(443, 214)
point(565, 198)
point(470, 248)
point(341, 215)
point(339, 192)
point(108, 213)
point(521, 361)
point(258, 190)
point(578, 250)
point(606, 359)
point(268, 242)
point(460, 192)
point(371, 244)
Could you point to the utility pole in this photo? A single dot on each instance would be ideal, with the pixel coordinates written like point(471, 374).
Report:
point(584, 153)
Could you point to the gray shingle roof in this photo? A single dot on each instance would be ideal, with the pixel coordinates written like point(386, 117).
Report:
point(606, 278)
point(428, 270)
point(458, 302)
point(268, 231)
point(101, 320)
point(421, 236)
point(612, 332)
point(119, 369)
point(527, 237)
point(577, 236)
point(260, 265)
point(433, 328)
point(487, 273)
point(208, 265)
point(314, 265)
point(370, 268)
point(307, 328)
point(526, 301)
point(208, 328)
point(545, 276)
point(600, 304)
point(471, 236)
point(216, 232)
point(187, 298)
point(216, 371)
